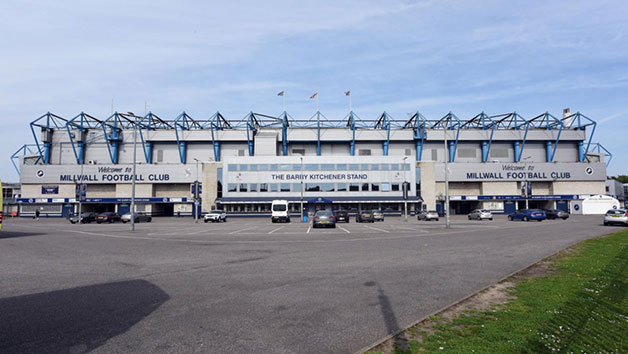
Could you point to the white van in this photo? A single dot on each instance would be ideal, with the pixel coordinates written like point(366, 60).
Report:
point(280, 211)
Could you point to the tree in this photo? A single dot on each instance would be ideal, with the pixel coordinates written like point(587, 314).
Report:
point(621, 178)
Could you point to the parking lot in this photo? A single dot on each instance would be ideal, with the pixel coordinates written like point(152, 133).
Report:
point(249, 285)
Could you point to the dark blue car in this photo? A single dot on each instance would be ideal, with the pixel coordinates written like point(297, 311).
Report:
point(528, 214)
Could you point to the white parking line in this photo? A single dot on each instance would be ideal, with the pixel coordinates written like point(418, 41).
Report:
point(376, 229)
point(308, 229)
point(236, 231)
point(343, 229)
point(279, 228)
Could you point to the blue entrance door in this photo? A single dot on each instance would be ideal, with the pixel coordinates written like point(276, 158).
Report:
point(67, 209)
point(562, 205)
point(124, 208)
point(509, 207)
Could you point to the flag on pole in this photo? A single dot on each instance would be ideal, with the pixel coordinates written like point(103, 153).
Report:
point(281, 93)
point(314, 95)
point(348, 93)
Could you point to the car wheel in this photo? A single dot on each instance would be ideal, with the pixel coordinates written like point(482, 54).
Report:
point(540, 220)
point(333, 226)
point(206, 221)
point(490, 219)
point(124, 221)
point(150, 219)
point(509, 217)
point(605, 223)
point(525, 218)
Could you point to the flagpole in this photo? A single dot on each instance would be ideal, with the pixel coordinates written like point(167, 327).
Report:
point(283, 100)
point(350, 106)
point(317, 102)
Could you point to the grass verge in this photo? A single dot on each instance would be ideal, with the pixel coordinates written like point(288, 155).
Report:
point(582, 307)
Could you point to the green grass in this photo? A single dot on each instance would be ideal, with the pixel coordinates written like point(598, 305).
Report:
point(581, 308)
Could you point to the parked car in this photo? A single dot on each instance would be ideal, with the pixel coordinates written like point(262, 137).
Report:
point(108, 217)
point(527, 215)
point(341, 215)
point(556, 214)
point(324, 218)
point(616, 216)
point(378, 215)
point(427, 215)
point(215, 216)
point(480, 214)
point(85, 218)
point(364, 216)
point(139, 217)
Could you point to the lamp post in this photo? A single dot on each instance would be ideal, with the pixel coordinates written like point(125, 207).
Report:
point(80, 194)
point(447, 220)
point(527, 188)
point(301, 173)
point(406, 191)
point(196, 193)
point(134, 169)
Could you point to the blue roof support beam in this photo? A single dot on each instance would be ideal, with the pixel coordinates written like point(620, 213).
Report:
point(417, 122)
point(150, 122)
point(285, 123)
point(600, 149)
point(550, 123)
point(112, 128)
point(25, 150)
point(47, 125)
point(383, 122)
point(450, 122)
point(183, 123)
point(80, 124)
point(579, 121)
point(352, 120)
point(217, 122)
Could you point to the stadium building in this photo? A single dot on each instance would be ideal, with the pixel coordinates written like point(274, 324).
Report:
point(351, 163)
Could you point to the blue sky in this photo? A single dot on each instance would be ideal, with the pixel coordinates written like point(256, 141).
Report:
point(399, 56)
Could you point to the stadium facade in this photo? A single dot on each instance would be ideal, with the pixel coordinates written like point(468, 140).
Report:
point(353, 163)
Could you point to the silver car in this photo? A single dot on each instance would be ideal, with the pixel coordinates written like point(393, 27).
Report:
point(480, 214)
point(427, 215)
point(616, 216)
point(324, 218)
point(378, 215)
point(139, 217)
point(215, 216)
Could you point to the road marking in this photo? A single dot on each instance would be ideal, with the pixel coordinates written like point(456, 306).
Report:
point(308, 229)
point(236, 231)
point(376, 229)
point(343, 229)
point(279, 228)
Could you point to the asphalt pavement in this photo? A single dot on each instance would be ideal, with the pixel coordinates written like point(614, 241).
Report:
point(248, 285)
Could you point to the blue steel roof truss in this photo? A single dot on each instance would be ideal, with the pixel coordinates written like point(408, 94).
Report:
point(46, 123)
point(81, 124)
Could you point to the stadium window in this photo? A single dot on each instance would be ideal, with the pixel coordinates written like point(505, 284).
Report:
point(160, 156)
point(274, 187)
point(354, 187)
point(499, 152)
point(365, 167)
point(285, 167)
point(296, 167)
point(296, 187)
point(274, 167)
point(263, 167)
point(232, 167)
point(244, 167)
point(241, 152)
point(385, 187)
point(354, 167)
point(395, 187)
point(263, 187)
point(327, 167)
point(365, 187)
point(253, 167)
point(253, 187)
point(434, 155)
point(394, 167)
point(327, 187)
point(232, 187)
point(342, 187)
point(341, 167)
point(300, 152)
point(285, 187)
point(384, 167)
point(243, 187)
point(364, 152)
point(374, 167)
point(374, 187)
point(408, 152)
point(312, 187)
point(311, 167)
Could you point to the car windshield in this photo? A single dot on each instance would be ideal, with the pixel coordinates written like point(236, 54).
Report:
point(484, 211)
point(432, 211)
point(279, 207)
point(86, 214)
point(216, 211)
point(616, 211)
point(341, 211)
point(323, 213)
